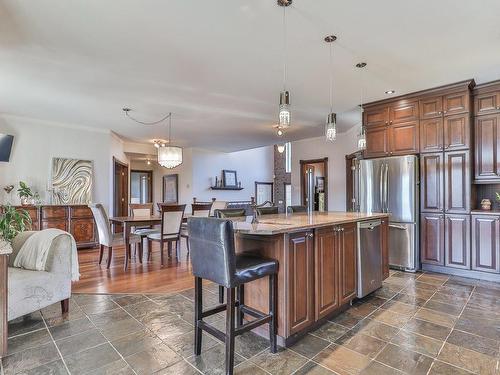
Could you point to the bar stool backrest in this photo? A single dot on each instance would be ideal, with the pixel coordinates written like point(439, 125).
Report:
point(292, 209)
point(217, 205)
point(266, 210)
point(230, 212)
point(212, 249)
point(103, 225)
point(171, 219)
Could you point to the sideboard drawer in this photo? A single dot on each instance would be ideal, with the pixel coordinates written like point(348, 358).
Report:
point(80, 211)
point(58, 224)
point(54, 212)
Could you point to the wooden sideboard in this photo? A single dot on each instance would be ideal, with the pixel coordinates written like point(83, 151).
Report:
point(75, 219)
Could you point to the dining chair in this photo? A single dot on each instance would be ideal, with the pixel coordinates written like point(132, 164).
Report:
point(171, 220)
point(142, 210)
point(217, 205)
point(198, 210)
point(296, 209)
point(109, 239)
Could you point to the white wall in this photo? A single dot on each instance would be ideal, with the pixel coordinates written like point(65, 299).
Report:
point(37, 142)
point(316, 148)
point(251, 165)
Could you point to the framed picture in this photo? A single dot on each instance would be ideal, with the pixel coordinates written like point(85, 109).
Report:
point(320, 184)
point(229, 178)
point(170, 188)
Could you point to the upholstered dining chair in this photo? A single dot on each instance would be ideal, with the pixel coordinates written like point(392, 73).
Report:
point(109, 239)
point(171, 220)
point(198, 210)
point(141, 210)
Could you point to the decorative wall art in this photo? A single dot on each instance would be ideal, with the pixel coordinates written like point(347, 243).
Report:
point(171, 188)
point(71, 181)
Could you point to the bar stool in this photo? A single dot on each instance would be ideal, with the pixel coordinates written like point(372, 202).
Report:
point(213, 258)
point(295, 209)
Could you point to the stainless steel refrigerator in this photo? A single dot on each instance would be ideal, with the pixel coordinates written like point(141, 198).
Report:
point(391, 185)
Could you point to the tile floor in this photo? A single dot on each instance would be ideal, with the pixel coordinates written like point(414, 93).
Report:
point(416, 324)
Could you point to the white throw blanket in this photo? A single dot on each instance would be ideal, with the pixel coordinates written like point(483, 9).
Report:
point(34, 252)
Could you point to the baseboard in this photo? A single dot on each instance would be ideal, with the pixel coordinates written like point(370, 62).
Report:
point(460, 272)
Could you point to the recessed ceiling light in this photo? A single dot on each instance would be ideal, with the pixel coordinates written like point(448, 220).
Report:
point(389, 92)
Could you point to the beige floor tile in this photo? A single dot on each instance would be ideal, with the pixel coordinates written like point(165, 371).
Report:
point(468, 359)
point(436, 317)
point(418, 343)
point(405, 360)
point(342, 360)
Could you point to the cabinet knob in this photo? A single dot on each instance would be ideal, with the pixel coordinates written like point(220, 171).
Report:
point(440, 112)
point(390, 122)
point(445, 111)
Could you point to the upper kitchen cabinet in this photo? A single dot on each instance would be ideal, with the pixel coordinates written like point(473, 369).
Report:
point(487, 150)
point(457, 132)
point(377, 141)
point(376, 116)
point(431, 107)
point(403, 111)
point(457, 182)
point(458, 102)
point(487, 99)
point(404, 138)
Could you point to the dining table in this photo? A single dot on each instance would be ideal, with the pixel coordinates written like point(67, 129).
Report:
point(128, 222)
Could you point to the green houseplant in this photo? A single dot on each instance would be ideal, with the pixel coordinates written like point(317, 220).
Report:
point(25, 193)
point(12, 222)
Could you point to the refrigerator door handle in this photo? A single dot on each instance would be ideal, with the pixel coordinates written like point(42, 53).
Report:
point(381, 187)
point(386, 180)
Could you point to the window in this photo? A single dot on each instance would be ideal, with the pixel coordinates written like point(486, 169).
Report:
point(288, 157)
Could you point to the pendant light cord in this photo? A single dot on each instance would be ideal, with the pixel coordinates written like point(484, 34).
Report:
point(126, 110)
point(169, 128)
point(284, 48)
point(331, 78)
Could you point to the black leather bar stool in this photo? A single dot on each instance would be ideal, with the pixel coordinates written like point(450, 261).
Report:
point(213, 258)
point(296, 209)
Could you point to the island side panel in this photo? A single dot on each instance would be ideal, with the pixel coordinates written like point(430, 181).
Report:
point(3, 304)
point(257, 292)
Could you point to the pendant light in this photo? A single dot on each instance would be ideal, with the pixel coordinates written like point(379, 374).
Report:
point(169, 156)
point(331, 120)
point(284, 107)
point(362, 134)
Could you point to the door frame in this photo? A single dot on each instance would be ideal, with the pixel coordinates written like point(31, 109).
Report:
point(303, 163)
point(150, 174)
point(116, 163)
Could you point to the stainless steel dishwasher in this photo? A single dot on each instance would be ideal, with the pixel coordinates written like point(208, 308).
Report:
point(369, 257)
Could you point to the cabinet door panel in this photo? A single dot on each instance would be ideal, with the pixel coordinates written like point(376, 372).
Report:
point(457, 182)
point(487, 103)
point(83, 230)
point(300, 280)
point(431, 135)
point(485, 243)
point(487, 157)
point(385, 248)
point(347, 262)
point(404, 138)
point(456, 132)
point(403, 112)
point(376, 116)
point(456, 103)
point(431, 107)
point(326, 271)
point(431, 182)
point(376, 141)
point(457, 241)
point(432, 239)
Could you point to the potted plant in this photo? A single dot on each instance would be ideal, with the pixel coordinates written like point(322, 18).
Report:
point(25, 193)
point(498, 197)
point(12, 222)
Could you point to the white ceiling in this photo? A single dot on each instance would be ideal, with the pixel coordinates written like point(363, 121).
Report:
point(217, 65)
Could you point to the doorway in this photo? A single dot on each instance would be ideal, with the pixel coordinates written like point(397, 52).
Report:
point(314, 183)
point(141, 186)
point(120, 190)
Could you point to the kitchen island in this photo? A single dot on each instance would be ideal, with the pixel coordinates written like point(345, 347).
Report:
point(317, 274)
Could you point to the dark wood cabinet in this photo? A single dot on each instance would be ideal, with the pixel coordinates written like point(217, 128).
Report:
point(326, 259)
point(456, 132)
point(456, 102)
point(33, 214)
point(457, 241)
point(54, 217)
point(431, 135)
point(347, 262)
point(432, 238)
point(403, 111)
point(487, 102)
point(487, 150)
point(486, 243)
point(457, 182)
point(404, 138)
point(432, 182)
point(300, 281)
point(431, 107)
point(377, 141)
point(376, 116)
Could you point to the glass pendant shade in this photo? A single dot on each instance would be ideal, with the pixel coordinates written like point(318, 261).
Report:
point(331, 127)
point(281, 148)
point(284, 109)
point(362, 140)
point(169, 156)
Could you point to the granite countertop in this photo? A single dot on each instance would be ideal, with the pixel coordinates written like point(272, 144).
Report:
point(284, 223)
point(484, 212)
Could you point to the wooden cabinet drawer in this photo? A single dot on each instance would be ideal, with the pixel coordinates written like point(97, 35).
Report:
point(54, 212)
point(58, 224)
point(403, 112)
point(80, 211)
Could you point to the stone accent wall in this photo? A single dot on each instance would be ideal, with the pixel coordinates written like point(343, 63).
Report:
point(280, 178)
